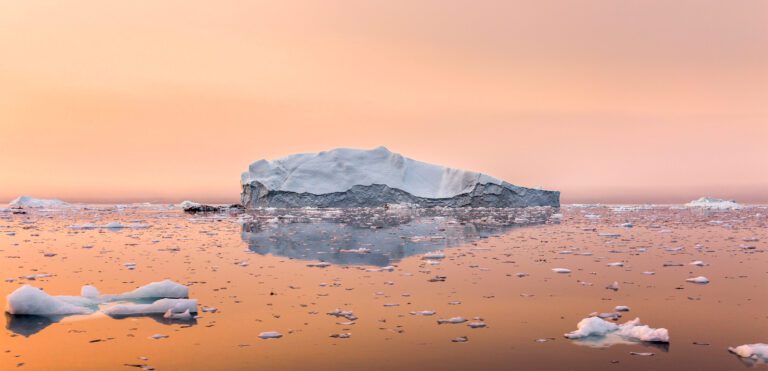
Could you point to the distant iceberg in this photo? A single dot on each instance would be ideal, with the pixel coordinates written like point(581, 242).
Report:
point(26, 201)
point(714, 203)
point(345, 177)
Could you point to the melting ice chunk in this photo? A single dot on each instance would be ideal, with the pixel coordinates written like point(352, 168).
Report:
point(270, 335)
point(700, 280)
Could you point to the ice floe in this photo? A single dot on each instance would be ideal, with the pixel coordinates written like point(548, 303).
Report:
point(597, 328)
point(757, 351)
point(28, 300)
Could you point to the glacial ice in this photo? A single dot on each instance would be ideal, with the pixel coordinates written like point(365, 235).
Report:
point(26, 201)
point(377, 177)
point(714, 203)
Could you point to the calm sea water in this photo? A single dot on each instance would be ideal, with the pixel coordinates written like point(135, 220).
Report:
point(261, 273)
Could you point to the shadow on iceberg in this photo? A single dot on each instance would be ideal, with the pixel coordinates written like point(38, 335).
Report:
point(377, 236)
point(614, 339)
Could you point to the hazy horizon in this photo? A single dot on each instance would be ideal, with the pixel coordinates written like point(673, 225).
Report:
point(627, 102)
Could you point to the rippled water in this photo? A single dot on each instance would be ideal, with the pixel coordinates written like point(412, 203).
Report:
point(264, 272)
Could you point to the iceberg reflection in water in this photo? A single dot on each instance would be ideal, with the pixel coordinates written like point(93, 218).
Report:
point(378, 236)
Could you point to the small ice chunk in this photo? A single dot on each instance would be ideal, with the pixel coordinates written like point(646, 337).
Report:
point(477, 324)
point(460, 339)
point(424, 313)
point(159, 336)
point(700, 280)
point(561, 270)
point(452, 320)
point(621, 308)
point(613, 286)
point(270, 335)
point(616, 264)
point(697, 263)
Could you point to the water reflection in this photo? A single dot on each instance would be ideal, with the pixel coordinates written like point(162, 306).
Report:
point(377, 236)
point(28, 325)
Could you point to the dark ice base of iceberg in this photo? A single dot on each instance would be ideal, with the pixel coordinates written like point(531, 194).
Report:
point(256, 195)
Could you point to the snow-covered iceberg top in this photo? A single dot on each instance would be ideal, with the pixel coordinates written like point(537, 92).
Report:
point(340, 169)
point(714, 203)
point(26, 201)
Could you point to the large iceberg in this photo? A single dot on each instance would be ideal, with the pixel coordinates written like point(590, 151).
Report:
point(714, 204)
point(26, 201)
point(347, 177)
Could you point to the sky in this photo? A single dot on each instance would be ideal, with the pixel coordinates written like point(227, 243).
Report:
point(629, 101)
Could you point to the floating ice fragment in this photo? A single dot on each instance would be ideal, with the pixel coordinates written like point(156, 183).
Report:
point(159, 336)
point(460, 339)
point(561, 270)
point(26, 201)
point(343, 313)
point(344, 335)
point(452, 320)
point(699, 280)
point(424, 313)
point(697, 263)
point(478, 324)
point(621, 308)
point(361, 250)
point(270, 335)
point(613, 286)
point(714, 203)
point(632, 330)
point(616, 264)
point(643, 354)
point(758, 351)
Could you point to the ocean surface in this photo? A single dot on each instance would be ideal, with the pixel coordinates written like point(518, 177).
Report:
point(404, 274)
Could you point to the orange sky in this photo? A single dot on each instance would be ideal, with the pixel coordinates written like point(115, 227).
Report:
point(612, 101)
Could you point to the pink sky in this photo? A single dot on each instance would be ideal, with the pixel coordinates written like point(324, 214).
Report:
point(606, 101)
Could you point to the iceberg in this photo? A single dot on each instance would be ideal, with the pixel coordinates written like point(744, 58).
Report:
point(714, 204)
point(345, 177)
point(26, 201)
